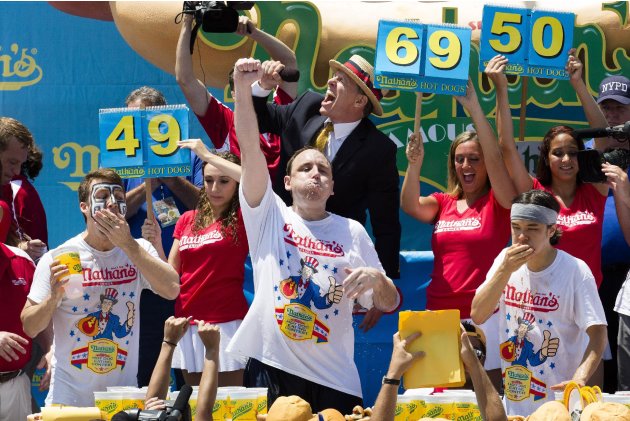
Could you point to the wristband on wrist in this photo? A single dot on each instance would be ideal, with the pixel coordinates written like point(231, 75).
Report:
point(170, 343)
point(387, 380)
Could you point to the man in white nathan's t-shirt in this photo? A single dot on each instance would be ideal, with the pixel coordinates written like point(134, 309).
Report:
point(309, 267)
point(96, 332)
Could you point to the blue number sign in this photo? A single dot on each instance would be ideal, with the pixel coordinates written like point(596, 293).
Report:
point(411, 56)
point(143, 142)
point(536, 43)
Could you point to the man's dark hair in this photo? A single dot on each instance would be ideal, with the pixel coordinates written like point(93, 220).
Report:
point(33, 164)
point(106, 174)
point(299, 151)
point(148, 96)
point(541, 198)
point(10, 127)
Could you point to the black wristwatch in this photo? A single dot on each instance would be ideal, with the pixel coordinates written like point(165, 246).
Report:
point(386, 380)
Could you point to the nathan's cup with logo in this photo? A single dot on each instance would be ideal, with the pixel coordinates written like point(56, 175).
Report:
point(70, 257)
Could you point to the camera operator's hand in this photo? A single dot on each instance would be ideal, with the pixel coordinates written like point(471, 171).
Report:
point(154, 403)
point(618, 182)
point(175, 328)
point(246, 72)
point(245, 26)
point(271, 74)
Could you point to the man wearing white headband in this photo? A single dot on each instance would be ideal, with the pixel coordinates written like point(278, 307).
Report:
point(552, 324)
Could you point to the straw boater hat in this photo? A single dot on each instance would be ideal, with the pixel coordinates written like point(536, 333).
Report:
point(362, 73)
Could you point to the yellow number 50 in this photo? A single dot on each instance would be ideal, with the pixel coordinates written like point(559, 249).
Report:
point(394, 43)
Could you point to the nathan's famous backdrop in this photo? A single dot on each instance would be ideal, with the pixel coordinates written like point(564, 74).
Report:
point(58, 70)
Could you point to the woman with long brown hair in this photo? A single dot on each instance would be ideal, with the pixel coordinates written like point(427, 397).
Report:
point(209, 252)
point(470, 219)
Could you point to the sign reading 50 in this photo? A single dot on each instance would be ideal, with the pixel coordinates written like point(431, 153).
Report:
point(143, 142)
point(416, 57)
point(536, 43)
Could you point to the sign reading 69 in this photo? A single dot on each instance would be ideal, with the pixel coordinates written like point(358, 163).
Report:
point(143, 142)
point(411, 56)
point(536, 43)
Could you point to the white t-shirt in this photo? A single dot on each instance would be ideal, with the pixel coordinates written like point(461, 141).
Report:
point(622, 304)
point(94, 349)
point(560, 302)
point(291, 324)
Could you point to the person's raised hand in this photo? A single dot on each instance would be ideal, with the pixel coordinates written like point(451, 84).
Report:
point(175, 328)
point(247, 71)
point(495, 70)
point(402, 359)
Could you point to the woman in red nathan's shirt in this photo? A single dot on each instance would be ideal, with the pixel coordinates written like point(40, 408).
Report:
point(581, 204)
point(209, 252)
point(471, 219)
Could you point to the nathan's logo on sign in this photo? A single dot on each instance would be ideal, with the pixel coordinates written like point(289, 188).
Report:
point(19, 68)
point(528, 301)
point(310, 245)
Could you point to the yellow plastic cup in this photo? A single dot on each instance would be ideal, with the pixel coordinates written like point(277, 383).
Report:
point(109, 402)
point(244, 405)
point(133, 398)
point(439, 407)
point(401, 413)
point(70, 257)
point(261, 399)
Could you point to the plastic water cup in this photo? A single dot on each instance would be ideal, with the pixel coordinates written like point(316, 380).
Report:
point(70, 257)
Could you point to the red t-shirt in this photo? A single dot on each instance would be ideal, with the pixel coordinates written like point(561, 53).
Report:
point(218, 122)
point(16, 276)
point(464, 247)
point(212, 270)
point(5, 221)
point(581, 226)
point(28, 207)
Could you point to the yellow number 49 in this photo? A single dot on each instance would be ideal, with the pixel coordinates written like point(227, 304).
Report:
point(123, 137)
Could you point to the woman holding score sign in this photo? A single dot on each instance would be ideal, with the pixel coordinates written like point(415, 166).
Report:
point(581, 204)
point(471, 219)
point(209, 252)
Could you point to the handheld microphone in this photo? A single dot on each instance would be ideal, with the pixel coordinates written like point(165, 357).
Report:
point(289, 75)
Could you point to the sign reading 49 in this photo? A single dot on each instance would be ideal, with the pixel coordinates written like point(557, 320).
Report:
point(411, 56)
point(143, 142)
point(536, 43)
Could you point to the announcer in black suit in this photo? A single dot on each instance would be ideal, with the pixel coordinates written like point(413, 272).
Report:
point(363, 158)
